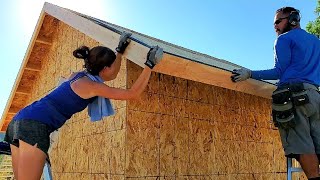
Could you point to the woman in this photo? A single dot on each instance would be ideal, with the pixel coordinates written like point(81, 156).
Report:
point(28, 132)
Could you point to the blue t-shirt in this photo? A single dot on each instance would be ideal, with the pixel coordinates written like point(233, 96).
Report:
point(297, 59)
point(57, 107)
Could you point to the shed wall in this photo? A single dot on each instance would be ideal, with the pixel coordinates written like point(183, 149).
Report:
point(181, 129)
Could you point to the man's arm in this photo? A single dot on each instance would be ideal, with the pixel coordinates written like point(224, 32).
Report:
point(282, 56)
point(282, 60)
point(269, 74)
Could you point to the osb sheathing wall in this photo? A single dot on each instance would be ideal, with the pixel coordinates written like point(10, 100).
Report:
point(178, 129)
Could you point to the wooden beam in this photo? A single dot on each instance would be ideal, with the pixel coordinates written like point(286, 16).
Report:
point(43, 41)
point(23, 91)
point(33, 67)
point(179, 67)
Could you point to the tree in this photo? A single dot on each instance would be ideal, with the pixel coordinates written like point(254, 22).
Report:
point(314, 26)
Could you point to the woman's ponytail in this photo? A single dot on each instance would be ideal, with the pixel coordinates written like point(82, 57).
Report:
point(81, 53)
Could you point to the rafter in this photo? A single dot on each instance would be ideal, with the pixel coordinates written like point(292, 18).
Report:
point(23, 91)
point(33, 67)
point(43, 41)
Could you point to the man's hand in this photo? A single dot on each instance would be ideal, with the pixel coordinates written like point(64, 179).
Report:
point(123, 42)
point(154, 56)
point(240, 74)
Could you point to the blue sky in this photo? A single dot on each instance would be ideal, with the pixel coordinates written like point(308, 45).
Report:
point(239, 31)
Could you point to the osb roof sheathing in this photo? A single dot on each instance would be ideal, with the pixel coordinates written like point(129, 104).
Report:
point(177, 61)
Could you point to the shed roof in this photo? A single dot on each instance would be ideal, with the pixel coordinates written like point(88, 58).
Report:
point(177, 61)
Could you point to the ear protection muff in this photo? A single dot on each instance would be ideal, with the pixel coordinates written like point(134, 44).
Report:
point(294, 18)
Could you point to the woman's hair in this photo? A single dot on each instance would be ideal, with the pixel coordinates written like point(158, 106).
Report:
point(95, 59)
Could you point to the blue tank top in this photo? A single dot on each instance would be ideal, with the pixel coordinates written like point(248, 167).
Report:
point(57, 107)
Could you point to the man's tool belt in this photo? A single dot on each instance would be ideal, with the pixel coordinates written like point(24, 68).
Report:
point(284, 101)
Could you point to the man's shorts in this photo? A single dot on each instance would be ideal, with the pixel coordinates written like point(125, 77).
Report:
point(30, 131)
point(304, 138)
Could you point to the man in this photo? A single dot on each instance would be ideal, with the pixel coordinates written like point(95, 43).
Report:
point(296, 102)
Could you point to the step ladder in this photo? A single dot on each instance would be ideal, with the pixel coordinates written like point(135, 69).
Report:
point(6, 171)
point(292, 167)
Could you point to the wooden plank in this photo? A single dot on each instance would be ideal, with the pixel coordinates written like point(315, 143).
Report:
point(179, 67)
point(43, 41)
point(23, 90)
point(33, 67)
point(24, 93)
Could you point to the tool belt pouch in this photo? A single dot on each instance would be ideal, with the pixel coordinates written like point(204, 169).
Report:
point(299, 94)
point(282, 109)
point(301, 100)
